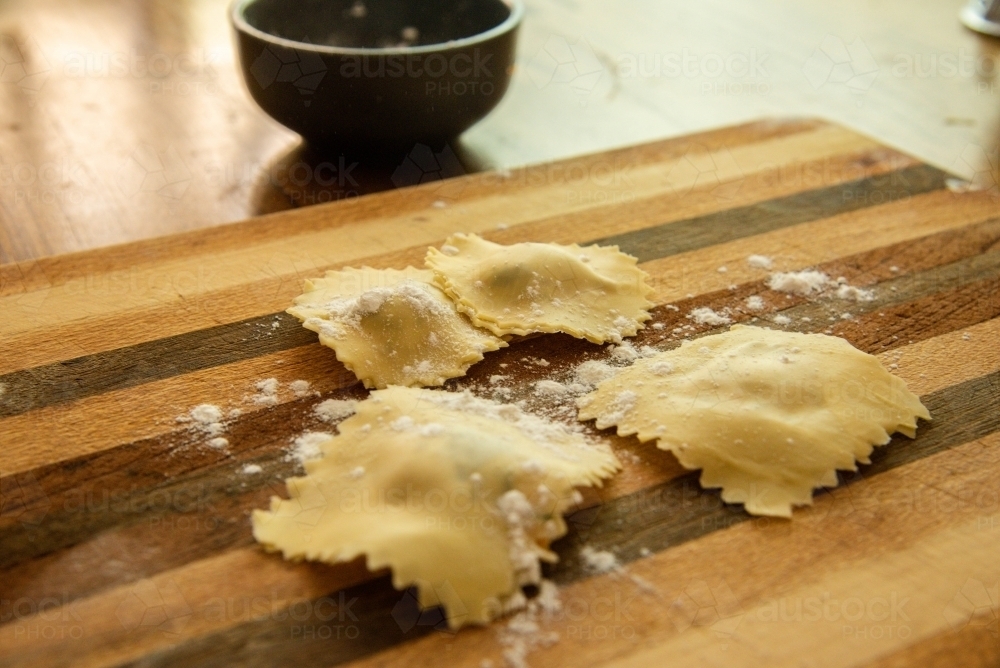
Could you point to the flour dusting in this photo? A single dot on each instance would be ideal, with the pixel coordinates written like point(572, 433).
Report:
point(705, 316)
point(333, 410)
point(760, 262)
point(802, 283)
point(301, 388)
point(592, 372)
point(598, 561)
point(267, 392)
point(307, 446)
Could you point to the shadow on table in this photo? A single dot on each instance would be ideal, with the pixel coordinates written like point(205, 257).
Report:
point(304, 176)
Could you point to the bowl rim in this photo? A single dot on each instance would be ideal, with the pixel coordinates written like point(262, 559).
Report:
point(241, 24)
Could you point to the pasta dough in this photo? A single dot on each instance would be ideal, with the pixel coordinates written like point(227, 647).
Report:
point(457, 495)
point(595, 293)
point(392, 327)
point(766, 415)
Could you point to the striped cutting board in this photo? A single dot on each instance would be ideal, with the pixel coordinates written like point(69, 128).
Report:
point(125, 540)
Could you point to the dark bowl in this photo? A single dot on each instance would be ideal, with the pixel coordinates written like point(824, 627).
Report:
point(377, 74)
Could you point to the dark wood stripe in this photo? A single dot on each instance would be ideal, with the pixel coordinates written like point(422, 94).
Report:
point(656, 519)
point(131, 366)
point(938, 313)
point(330, 630)
point(142, 363)
point(720, 227)
point(71, 498)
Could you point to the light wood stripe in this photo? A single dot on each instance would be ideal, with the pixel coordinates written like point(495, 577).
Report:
point(192, 293)
point(928, 366)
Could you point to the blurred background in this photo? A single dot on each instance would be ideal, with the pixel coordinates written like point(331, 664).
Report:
point(127, 119)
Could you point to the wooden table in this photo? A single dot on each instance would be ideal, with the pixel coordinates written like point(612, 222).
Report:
point(125, 540)
point(125, 119)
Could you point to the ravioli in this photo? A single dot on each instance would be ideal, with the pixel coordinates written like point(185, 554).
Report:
point(593, 292)
point(459, 496)
point(767, 416)
point(392, 327)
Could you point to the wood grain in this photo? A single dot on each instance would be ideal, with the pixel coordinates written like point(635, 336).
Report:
point(115, 513)
point(719, 609)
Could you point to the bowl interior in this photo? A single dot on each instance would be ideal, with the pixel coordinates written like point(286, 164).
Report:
point(372, 24)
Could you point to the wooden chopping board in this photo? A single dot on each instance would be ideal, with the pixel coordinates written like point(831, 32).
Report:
point(125, 540)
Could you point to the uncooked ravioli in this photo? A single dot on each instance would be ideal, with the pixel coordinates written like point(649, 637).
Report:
point(459, 496)
point(766, 415)
point(593, 292)
point(392, 327)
